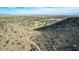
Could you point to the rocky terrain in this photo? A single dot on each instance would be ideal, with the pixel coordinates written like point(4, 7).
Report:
point(61, 36)
point(17, 33)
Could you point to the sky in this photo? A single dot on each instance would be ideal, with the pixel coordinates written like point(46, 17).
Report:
point(39, 11)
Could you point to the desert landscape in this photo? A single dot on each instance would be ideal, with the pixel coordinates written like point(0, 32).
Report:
point(17, 33)
point(39, 33)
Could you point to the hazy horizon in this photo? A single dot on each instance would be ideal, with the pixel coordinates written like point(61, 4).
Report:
point(59, 11)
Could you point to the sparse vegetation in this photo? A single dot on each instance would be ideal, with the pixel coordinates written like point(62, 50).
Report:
point(17, 32)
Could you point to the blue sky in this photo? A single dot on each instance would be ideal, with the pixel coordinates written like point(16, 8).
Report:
point(39, 11)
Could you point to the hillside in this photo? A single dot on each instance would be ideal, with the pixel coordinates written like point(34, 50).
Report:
point(62, 36)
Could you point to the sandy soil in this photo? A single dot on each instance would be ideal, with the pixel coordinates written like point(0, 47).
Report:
point(18, 34)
